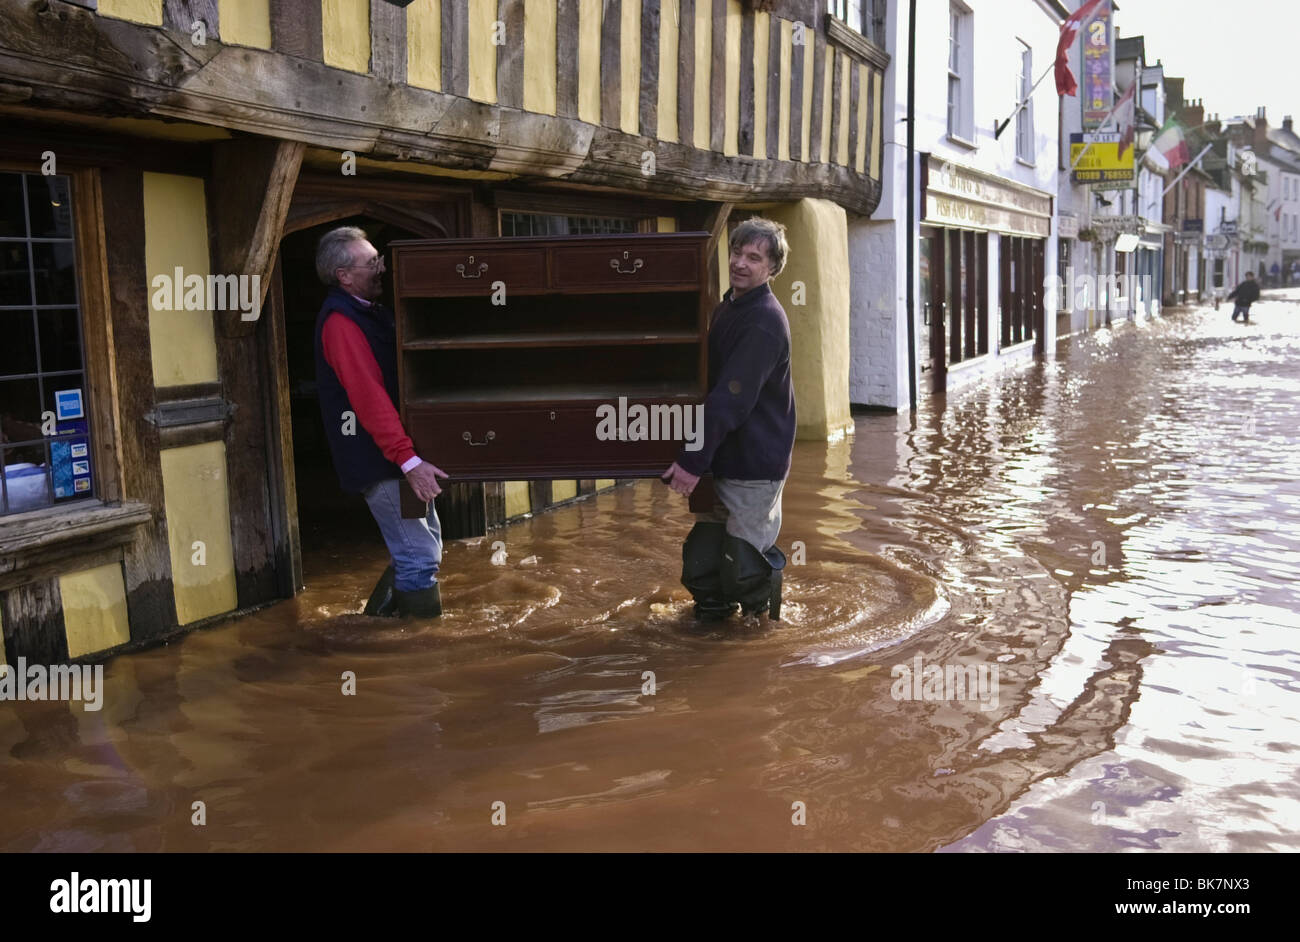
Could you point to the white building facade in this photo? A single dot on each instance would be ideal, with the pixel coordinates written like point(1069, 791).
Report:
point(985, 204)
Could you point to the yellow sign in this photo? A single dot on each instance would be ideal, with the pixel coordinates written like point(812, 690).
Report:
point(1096, 159)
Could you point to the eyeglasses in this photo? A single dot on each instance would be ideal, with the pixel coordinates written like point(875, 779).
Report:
point(375, 264)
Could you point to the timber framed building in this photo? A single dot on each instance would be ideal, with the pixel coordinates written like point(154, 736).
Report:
point(160, 457)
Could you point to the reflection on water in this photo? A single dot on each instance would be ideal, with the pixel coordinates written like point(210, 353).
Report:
point(1114, 532)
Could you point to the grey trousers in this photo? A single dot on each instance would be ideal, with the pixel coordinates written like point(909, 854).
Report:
point(750, 510)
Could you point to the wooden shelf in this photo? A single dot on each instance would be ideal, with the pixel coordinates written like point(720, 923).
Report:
point(585, 338)
point(558, 392)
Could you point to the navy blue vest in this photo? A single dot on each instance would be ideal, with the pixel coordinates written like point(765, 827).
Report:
point(357, 458)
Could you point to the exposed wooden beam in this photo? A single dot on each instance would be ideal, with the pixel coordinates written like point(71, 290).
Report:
point(252, 186)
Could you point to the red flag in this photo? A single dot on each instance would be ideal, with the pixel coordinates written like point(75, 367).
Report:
point(1065, 83)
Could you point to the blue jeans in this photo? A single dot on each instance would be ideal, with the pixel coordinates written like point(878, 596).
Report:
point(415, 544)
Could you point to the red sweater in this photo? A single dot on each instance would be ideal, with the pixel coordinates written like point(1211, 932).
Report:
point(348, 354)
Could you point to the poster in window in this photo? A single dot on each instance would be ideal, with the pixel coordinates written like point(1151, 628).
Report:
point(70, 468)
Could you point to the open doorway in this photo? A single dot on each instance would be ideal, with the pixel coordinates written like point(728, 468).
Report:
point(330, 521)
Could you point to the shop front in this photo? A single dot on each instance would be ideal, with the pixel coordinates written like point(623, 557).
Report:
point(982, 268)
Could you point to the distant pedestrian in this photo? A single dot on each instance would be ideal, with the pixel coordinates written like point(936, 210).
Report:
point(1246, 293)
point(1276, 273)
point(1295, 273)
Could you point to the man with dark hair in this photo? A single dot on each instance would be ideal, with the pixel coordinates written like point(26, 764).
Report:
point(1246, 293)
point(730, 556)
point(356, 371)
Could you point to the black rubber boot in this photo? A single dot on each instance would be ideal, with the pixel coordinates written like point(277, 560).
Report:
point(751, 578)
point(422, 603)
point(702, 568)
point(383, 600)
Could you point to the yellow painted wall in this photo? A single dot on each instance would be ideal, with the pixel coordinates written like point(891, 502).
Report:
point(842, 146)
point(517, 500)
point(563, 490)
point(137, 11)
point(665, 224)
point(860, 157)
point(762, 24)
point(345, 34)
point(176, 234)
point(827, 79)
point(703, 74)
point(482, 53)
point(809, 55)
point(731, 83)
point(589, 61)
point(878, 137)
point(424, 44)
point(245, 22)
point(94, 609)
point(602, 483)
point(629, 67)
point(783, 122)
point(539, 57)
point(817, 231)
point(669, 40)
point(198, 508)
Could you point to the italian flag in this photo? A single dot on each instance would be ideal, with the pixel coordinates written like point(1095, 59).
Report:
point(1169, 149)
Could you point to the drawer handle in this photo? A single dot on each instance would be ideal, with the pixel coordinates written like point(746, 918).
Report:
point(486, 438)
point(482, 267)
point(617, 265)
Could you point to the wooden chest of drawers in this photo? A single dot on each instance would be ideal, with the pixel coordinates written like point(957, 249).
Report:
point(509, 347)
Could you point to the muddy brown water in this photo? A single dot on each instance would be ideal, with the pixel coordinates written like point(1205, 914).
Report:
point(1111, 534)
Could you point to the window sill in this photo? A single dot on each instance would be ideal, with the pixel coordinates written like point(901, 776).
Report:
point(969, 145)
point(967, 364)
point(1026, 163)
point(1016, 347)
point(853, 42)
point(44, 536)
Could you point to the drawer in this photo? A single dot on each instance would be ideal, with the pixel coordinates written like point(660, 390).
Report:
point(531, 441)
point(468, 272)
point(627, 266)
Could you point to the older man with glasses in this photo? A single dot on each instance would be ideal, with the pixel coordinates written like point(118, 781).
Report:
point(356, 372)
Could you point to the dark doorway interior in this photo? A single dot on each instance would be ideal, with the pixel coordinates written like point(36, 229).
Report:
point(327, 517)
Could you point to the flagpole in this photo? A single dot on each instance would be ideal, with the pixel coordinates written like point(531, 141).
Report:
point(1190, 164)
point(1101, 128)
point(997, 132)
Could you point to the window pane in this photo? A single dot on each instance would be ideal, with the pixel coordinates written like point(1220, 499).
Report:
point(20, 410)
point(49, 201)
point(26, 478)
point(15, 274)
point(13, 222)
point(17, 343)
point(60, 339)
point(56, 281)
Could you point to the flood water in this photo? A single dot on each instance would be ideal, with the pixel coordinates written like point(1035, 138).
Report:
point(1113, 536)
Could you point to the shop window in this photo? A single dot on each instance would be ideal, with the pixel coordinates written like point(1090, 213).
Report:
point(1021, 288)
point(547, 224)
point(964, 293)
point(44, 414)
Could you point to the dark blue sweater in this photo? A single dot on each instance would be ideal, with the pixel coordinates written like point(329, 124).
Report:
point(749, 420)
